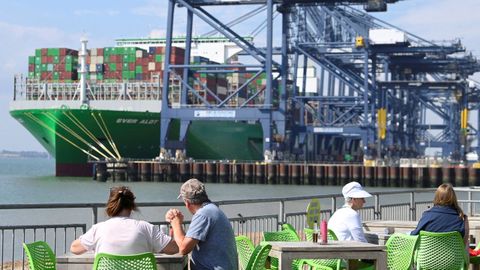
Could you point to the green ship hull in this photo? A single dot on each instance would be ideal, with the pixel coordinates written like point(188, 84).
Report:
point(75, 136)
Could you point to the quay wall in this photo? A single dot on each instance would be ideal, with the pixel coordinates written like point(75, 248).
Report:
point(287, 173)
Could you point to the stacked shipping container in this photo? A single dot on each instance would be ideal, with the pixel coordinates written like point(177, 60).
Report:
point(53, 64)
point(118, 64)
point(111, 64)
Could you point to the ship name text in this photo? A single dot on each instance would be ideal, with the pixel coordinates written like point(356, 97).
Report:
point(137, 121)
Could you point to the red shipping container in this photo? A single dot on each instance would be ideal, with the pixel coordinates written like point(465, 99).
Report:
point(131, 66)
point(159, 50)
point(63, 51)
point(100, 52)
point(178, 50)
point(44, 59)
point(44, 51)
point(31, 67)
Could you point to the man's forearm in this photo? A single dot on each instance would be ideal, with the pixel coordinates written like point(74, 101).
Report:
point(178, 233)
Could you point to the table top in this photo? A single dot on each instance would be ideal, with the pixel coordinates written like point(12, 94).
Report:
point(337, 246)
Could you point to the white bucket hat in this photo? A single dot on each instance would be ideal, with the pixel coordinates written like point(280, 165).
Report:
point(354, 190)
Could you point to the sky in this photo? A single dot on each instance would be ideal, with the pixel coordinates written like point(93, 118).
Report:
point(26, 25)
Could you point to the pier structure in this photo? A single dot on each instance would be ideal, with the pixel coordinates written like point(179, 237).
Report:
point(286, 173)
point(382, 94)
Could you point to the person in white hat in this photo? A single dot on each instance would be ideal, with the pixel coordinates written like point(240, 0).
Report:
point(346, 222)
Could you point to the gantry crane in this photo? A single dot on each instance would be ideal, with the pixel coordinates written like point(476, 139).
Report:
point(372, 97)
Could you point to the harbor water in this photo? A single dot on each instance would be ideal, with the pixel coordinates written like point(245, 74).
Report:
point(32, 181)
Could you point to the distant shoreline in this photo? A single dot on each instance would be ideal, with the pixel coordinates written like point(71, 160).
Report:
point(23, 154)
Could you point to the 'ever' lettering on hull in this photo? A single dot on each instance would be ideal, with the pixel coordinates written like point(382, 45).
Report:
point(137, 121)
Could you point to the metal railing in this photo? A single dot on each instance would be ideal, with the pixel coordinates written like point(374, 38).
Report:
point(248, 217)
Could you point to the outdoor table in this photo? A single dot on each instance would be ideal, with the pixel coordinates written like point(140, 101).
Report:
point(286, 252)
point(85, 261)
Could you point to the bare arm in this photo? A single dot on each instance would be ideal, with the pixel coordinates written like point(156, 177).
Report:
point(185, 244)
point(171, 248)
point(77, 248)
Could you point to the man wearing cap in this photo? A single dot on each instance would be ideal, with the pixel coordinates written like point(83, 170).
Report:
point(345, 222)
point(210, 236)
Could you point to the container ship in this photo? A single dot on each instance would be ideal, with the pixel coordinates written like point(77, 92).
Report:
point(105, 103)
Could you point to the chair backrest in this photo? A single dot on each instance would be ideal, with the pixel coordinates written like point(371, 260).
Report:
point(400, 251)
point(441, 250)
point(285, 235)
point(142, 261)
point(245, 250)
point(259, 257)
point(40, 256)
point(331, 263)
point(288, 226)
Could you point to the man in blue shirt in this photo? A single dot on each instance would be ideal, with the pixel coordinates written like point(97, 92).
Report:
point(210, 236)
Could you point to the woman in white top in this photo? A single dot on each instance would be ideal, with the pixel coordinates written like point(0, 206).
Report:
point(346, 222)
point(121, 234)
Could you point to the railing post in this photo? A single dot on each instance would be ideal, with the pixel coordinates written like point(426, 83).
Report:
point(377, 214)
point(334, 204)
point(470, 209)
point(95, 214)
point(281, 214)
point(413, 210)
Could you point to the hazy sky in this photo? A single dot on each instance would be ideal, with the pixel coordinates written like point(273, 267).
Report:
point(27, 25)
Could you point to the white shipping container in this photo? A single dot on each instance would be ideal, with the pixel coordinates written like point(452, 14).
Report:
point(311, 85)
point(386, 36)
point(93, 60)
point(221, 90)
point(93, 52)
point(93, 68)
point(311, 72)
point(151, 66)
point(139, 53)
point(99, 59)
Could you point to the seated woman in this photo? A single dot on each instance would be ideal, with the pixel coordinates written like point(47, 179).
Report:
point(445, 215)
point(121, 234)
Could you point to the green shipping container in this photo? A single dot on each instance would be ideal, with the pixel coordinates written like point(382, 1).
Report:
point(31, 59)
point(125, 67)
point(139, 69)
point(56, 59)
point(159, 58)
point(53, 52)
point(38, 59)
point(38, 52)
point(69, 67)
point(129, 58)
point(31, 75)
point(43, 67)
point(112, 66)
point(99, 76)
point(56, 75)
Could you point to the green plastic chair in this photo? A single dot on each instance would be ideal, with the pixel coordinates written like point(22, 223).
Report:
point(245, 250)
point(441, 250)
point(259, 257)
point(142, 261)
point(323, 264)
point(400, 251)
point(40, 256)
point(284, 236)
point(288, 226)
